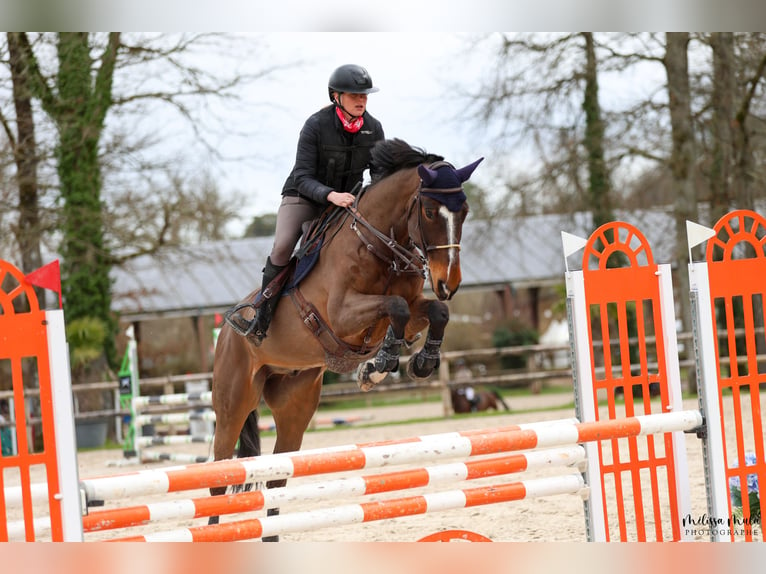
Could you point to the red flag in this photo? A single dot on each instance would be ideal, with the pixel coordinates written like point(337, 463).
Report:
point(217, 320)
point(47, 277)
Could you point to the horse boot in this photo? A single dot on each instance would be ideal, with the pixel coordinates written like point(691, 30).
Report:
point(270, 298)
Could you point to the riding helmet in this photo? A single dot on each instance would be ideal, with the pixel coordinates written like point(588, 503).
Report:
point(350, 79)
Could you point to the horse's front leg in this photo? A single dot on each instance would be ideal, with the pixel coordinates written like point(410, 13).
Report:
point(423, 363)
point(372, 372)
point(353, 313)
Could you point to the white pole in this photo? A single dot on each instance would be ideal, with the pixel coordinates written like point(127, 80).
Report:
point(584, 401)
point(63, 414)
point(707, 390)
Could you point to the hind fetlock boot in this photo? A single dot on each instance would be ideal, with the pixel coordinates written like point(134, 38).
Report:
point(270, 298)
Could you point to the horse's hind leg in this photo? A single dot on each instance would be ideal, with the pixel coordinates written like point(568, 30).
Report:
point(293, 400)
point(422, 364)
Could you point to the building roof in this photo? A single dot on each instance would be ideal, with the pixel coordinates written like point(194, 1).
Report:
point(208, 278)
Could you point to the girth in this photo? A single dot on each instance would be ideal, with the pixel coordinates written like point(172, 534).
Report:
point(340, 356)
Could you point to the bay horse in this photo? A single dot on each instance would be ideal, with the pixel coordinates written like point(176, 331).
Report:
point(483, 401)
point(360, 303)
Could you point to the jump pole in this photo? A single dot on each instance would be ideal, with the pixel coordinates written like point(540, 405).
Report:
point(369, 511)
point(139, 442)
point(352, 457)
point(39, 491)
point(188, 509)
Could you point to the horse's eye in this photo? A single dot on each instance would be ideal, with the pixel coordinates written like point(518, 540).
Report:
point(429, 213)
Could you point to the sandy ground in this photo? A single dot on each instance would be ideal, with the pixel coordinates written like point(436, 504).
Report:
point(553, 518)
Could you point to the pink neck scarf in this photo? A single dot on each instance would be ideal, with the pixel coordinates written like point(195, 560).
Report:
point(352, 126)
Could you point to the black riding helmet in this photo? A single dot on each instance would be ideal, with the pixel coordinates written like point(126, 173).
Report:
point(350, 79)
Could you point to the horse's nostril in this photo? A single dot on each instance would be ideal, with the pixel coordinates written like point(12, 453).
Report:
point(443, 290)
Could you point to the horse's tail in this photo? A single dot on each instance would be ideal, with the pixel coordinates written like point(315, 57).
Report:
point(249, 445)
point(250, 437)
point(499, 397)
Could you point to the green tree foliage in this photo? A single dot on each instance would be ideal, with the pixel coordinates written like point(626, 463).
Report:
point(262, 225)
point(514, 333)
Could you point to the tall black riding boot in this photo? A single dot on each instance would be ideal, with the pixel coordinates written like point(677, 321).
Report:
point(265, 312)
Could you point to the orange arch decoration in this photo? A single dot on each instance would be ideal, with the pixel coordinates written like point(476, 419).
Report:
point(736, 258)
point(628, 358)
point(18, 288)
point(735, 228)
point(616, 237)
point(24, 337)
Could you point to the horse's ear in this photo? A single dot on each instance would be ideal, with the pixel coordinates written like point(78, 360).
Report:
point(427, 175)
point(465, 172)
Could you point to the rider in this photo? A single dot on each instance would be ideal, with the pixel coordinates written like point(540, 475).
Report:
point(333, 152)
point(464, 375)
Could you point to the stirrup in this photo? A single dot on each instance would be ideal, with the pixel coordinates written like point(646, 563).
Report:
point(238, 323)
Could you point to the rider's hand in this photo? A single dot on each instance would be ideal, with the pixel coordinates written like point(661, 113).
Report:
point(341, 199)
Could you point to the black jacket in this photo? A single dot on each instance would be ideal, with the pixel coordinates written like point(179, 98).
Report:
point(328, 157)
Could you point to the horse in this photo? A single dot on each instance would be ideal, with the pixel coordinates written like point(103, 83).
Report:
point(360, 303)
point(483, 401)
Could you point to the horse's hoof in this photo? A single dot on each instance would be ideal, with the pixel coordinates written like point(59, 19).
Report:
point(367, 377)
point(414, 373)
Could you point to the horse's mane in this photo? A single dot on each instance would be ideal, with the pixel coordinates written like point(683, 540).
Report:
point(390, 156)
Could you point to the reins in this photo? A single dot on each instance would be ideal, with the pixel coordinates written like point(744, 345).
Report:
point(402, 259)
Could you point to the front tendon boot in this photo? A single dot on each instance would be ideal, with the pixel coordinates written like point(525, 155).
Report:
point(387, 359)
point(269, 300)
point(423, 363)
point(372, 372)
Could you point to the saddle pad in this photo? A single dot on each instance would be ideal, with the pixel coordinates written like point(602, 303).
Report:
point(300, 270)
point(303, 266)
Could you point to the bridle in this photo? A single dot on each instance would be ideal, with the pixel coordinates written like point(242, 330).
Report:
point(418, 199)
point(403, 259)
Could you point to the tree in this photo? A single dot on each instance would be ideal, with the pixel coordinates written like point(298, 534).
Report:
point(749, 177)
point(724, 93)
point(78, 93)
point(559, 111)
point(262, 225)
point(682, 158)
point(599, 188)
point(24, 150)
point(78, 103)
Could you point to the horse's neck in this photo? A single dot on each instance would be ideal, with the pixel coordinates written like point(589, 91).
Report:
point(388, 202)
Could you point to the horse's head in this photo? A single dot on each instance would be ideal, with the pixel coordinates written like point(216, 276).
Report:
point(437, 228)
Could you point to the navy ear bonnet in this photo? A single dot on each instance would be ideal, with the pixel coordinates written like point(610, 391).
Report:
point(443, 183)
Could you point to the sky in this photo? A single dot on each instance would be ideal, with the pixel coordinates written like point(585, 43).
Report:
point(413, 51)
point(420, 77)
point(413, 71)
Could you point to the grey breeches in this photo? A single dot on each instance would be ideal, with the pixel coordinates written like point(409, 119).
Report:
point(293, 213)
